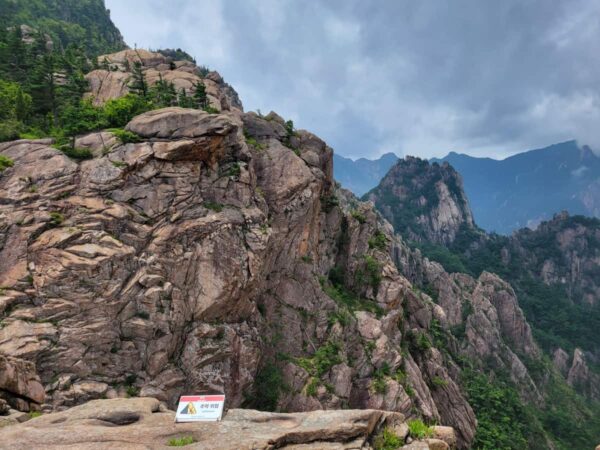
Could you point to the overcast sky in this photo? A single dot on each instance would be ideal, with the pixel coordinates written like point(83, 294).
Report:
point(418, 77)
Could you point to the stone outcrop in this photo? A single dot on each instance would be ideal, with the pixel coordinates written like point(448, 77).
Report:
point(144, 423)
point(577, 372)
point(114, 76)
point(423, 201)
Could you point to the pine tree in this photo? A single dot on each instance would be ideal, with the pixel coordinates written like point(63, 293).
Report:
point(22, 105)
point(14, 63)
point(200, 97)
point(43, 87)
point(74, 65)
point(138, 85)
point(171, 94)
point(183, 100)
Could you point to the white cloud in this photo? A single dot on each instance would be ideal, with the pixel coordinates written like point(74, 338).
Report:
point(422, 78)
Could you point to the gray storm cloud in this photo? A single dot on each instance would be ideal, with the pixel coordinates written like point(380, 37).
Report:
point(421, 78)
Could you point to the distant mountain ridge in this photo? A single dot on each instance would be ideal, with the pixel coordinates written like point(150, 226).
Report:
point(530, 187)
point(361, 175)
point(505, 195)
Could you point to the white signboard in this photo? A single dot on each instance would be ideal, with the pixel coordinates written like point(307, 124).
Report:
point(200, 408)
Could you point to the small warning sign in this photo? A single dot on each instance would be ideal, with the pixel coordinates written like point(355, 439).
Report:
point(199, 408)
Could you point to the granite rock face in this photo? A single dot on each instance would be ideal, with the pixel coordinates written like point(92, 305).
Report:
point(144, 423)
point(198, 257)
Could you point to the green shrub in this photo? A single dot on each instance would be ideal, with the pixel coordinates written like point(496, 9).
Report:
point(5, 163)
point(378, 241)
point(34, 414)
point(418, 430)
point(327, 356)
point(250, 140)
point(379, 385)
point(501, 416)
point(359, 216)
point(234, 170)
point(312, 386)
point(351, 301)
point(118, 112)
point(439, 382)
point(132, 391)
point(120, 164)
point(328, 202)
point(342, 317)
point(211, 110)
point(418, 342)
point(181, 442)
point(10, 130)
point(400, 376)
point(387, 440)
point(373, 269)
point(126, 137)
point(213, 206)
point(56, 219)
point(268, 386)
point(76, 153)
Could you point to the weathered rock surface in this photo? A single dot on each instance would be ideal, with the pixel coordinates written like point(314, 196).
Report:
point(20, 385)
point(144, 423)
point(173, 265)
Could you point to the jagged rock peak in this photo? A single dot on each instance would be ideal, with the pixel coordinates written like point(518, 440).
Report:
point(423, 201)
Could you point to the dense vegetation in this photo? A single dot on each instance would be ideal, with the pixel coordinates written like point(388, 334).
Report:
point(42, 75)
point(504, 420)
point(66, 22)
point(557, 316)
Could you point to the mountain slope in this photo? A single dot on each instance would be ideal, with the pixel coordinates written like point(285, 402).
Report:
point(363, 174)
point(553, 268)
point(529, 187)
point(79, 22)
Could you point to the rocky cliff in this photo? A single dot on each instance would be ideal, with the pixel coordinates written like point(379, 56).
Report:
point(216, 254)
point(423, 201)
point(194, 259)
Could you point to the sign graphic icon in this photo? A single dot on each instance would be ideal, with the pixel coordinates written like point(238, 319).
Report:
point(189, 409)
point(200, 408)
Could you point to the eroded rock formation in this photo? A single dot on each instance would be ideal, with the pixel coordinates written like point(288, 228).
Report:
point(217, 253)
point(424, 202)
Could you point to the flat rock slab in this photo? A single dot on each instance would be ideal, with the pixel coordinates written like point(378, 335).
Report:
point(144, 423)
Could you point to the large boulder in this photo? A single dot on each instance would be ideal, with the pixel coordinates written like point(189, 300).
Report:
point(176, 123)
point(20, 383)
